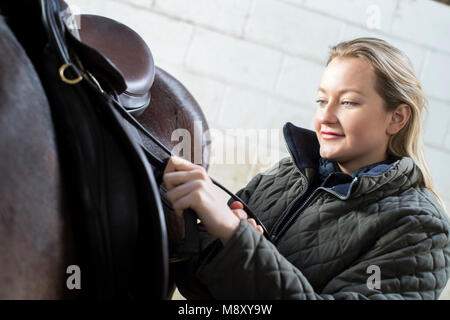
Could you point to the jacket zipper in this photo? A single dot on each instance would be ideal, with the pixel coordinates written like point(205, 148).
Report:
point(286, 211)
point(278, 230)
point(279, 227)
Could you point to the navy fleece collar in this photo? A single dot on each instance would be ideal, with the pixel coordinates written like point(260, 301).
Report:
point(304, 148)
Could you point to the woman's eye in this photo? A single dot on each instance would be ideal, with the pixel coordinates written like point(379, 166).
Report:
point(349, 103)
point(321, 102)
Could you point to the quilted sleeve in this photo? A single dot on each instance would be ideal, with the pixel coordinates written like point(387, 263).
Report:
point(413, 260)
point(184, 272)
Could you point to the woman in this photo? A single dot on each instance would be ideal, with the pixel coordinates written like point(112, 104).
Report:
point(352, 212)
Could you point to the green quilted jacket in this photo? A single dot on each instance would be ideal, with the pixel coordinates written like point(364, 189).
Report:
point(375, 234)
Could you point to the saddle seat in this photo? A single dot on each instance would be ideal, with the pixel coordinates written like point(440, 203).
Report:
point(128, 52)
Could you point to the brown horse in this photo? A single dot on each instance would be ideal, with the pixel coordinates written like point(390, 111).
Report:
point(35, 236)
point(36, 241)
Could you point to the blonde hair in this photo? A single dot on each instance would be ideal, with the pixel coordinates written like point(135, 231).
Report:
point(396, 84)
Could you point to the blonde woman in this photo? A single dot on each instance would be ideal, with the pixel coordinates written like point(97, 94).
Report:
point(352, 212)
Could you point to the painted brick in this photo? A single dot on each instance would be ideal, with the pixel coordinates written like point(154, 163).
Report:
point(293, 2)
point(226, 15)
point(438, 122)
point(234, 60)
point(414, 52)
point(244, 108)
point(438, 161)
point(299, 80)
point(366, 13)
point(140, 3)
point(447, 140)
point(295, 30)
point(423, 21)
point(435, 75)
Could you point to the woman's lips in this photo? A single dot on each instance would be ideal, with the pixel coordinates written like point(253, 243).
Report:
point(331, 136)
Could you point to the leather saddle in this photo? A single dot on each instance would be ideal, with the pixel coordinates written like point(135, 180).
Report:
point(128, 52)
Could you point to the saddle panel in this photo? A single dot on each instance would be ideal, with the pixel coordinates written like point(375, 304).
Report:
point(173, 107)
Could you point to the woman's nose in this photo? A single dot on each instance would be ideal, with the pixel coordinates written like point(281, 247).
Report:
point(328, 113)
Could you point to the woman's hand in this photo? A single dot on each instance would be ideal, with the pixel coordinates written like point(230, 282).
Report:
point(189, 186)
point(237, 209)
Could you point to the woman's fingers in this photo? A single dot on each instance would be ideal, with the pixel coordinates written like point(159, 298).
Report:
point(252, 222)
point(237, 205)
point(260, 229)
point(178, 164)
point(180, 204)
point(241, 214)
point(254, 225)
point(173, 179)
point(182, 190)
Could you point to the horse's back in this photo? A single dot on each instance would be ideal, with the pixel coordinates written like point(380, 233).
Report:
point(35, 238)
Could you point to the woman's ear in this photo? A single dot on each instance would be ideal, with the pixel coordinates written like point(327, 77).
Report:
point(398, 118)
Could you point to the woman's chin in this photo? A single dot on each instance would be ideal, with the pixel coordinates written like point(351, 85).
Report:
point(331, 155)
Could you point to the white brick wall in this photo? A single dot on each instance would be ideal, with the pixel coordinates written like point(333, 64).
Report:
point(213, 14)
point(256, 63)
point(233, 60)
point(423, 21)
point(295, 30)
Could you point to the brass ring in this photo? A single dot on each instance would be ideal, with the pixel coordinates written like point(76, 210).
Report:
point(62, 69)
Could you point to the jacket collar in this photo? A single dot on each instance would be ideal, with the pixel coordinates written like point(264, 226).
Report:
point(303, 146)
point(304, 149)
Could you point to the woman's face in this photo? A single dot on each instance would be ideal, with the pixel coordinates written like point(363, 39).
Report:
point(349, 106)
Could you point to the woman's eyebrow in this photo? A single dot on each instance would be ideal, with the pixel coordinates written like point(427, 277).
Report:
point(342, 91)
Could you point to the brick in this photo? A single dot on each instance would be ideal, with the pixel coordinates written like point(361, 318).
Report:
point(293, 2)
point(438, 122)
point(438, 161)
point(252, 109)
point(233, 60)
point(299, 80)
point(414, 52)
point(447, 139)
point(423, 21)
point(435, 75)
point(225, 15)
point(295, 30)
point(140, 3)
point(366, 13)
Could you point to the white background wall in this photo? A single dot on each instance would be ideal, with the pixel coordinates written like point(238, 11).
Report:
point(256, 64)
